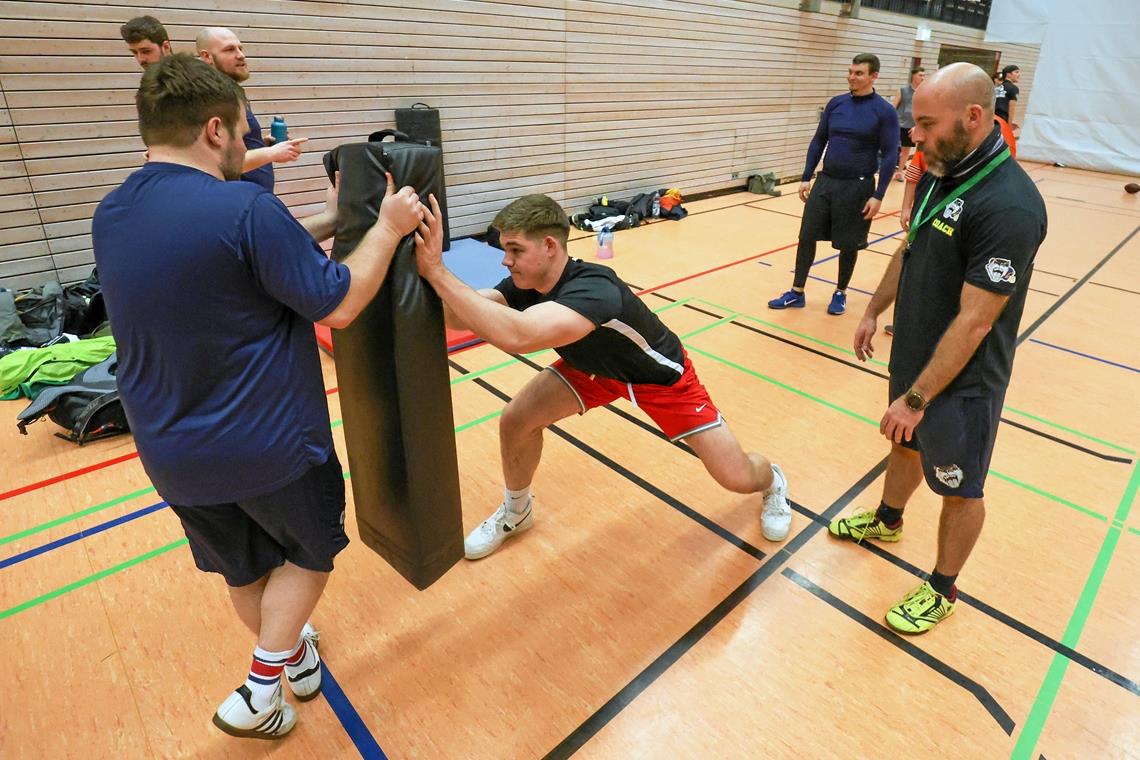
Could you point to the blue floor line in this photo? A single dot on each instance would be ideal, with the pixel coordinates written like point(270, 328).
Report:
point(869, 244)
point(18, 558)
point(349, 718)
point(1086, 356)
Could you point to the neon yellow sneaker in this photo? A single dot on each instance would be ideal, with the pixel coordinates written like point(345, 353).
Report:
point(863, 525)
point(921, 609)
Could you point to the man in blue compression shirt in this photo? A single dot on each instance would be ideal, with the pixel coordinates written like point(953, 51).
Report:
point(860, 130)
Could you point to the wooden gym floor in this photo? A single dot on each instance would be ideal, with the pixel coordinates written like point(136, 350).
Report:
point(645, 616)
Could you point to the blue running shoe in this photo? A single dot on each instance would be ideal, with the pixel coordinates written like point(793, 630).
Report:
point(838, 303)
point(790, 300)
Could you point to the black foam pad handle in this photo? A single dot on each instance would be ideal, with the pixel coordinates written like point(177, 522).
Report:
point(421, 122)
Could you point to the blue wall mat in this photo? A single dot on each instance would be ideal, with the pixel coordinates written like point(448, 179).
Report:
point(477, 264)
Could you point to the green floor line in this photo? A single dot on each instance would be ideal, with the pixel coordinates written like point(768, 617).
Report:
point(875, 423)
point(849, 352)
point(781, 328)
point(143, 557)
point(75, 516)
point(1134, 530)
point(1047, 694)
point(1047, 495)
point(1077, 433)
point(90, 579)
point(785, 386)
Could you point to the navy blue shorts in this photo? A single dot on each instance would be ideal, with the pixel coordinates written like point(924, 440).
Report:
point(834, 212)
point(956, 440)
point(302, 522)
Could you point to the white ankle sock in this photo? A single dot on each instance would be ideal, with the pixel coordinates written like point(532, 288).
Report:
point(517, 501)
point(265, 676)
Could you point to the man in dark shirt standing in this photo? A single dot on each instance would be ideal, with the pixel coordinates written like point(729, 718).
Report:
point(147, 39)
point(860, 130)
point(1005, 95)
point(610, 346)
point(221, 48)
point(219, 372)
point(960, 288)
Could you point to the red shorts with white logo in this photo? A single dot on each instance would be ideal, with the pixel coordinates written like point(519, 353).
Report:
point(680, 409)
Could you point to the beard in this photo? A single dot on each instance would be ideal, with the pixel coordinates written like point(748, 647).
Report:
point(943, 154)
point(232, 161)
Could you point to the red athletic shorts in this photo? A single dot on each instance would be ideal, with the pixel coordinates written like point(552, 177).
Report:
point(680, 409)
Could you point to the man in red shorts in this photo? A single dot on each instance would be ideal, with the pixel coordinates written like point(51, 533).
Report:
point(610, 346)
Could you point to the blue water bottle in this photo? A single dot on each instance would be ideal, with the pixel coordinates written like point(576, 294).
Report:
point(605, 243)
point(279, 130)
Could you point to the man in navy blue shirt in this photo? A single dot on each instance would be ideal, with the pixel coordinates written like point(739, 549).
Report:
point(221, 48)
point(860, 130)
point(212, 288)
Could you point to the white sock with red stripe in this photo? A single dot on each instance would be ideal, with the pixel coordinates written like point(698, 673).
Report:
point(265, 676)
point(517, 501)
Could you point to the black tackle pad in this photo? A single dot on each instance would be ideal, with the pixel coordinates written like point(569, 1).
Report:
point(393, 376)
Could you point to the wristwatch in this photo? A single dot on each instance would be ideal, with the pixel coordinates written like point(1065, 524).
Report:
point(915, 401)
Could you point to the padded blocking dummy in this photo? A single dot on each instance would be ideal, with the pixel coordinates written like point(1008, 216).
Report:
point(421, 122)
point(393, 377)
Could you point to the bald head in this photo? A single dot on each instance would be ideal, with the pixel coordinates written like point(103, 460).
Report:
point(961, 85)
point(222, 49)
point(953, 114)
point(206, 36)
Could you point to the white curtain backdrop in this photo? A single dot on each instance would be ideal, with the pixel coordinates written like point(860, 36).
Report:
point(1085, 108)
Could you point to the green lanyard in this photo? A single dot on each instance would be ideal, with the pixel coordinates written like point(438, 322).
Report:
point(920, 220)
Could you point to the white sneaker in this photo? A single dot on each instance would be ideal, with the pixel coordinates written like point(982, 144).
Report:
point(237, 717)
point(304, 679)
point(776, 518)
point(496, 529)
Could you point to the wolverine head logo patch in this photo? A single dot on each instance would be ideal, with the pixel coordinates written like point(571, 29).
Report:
point(1001, 270)
point(951, 476)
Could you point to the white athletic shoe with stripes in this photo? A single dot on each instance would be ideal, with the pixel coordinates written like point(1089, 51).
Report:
point(237, 717)
point(304, 679)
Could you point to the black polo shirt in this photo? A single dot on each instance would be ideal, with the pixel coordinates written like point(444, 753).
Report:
point(988, 238)
point(630, 343)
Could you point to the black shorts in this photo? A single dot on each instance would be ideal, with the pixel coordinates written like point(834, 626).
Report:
point(956, 440)
point(904, 137)
point(302, 522)
point(834, 212)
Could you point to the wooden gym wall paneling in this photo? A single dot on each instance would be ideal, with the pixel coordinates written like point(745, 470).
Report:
point(568, 97)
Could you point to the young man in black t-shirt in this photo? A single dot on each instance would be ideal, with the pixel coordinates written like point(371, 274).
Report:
point(960, 289)
point(610, 346)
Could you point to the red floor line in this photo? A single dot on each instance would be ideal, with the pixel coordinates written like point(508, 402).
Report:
point(68, 475)
point(89, 468)
point(331, 391)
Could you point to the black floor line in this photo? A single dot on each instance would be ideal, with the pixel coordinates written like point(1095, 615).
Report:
point(607, 712)
point(993, 612)
point(1056, 274)
point(884, 376)
point(1076, 286)
point(980, 693)
point(632, 477)
point(1032, 633)
point(1114, 287)
point(1045, 292)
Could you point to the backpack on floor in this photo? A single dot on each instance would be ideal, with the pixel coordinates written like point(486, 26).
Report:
point(88, 407)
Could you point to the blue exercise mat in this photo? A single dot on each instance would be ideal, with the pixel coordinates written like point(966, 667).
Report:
point(477, 264)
